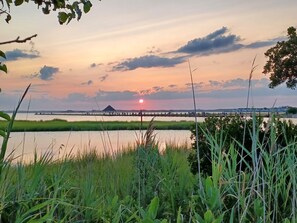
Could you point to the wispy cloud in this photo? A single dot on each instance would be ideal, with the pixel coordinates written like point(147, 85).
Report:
point(103, 77)
point(18, 54)
point(239, 83)
point(150, 90)
point(153, 50)
point(214, 83)
point(116, 95)
point(196, 85)
point(77, 97)
point(147, 61)
point(93, 65)
point(264, 43)
point(172, 85)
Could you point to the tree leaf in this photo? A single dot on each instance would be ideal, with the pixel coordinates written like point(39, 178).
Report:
point(3, 67)
point(46, 10)
point(2, 133)
point(70, 17)
point(4, 115)
point(87, 6)
point(77, 10)
point(18, 2)
point(8, 2)
point(208, 216)
point(8, 18)
point(2, 54)
point(153, 208)
point(62, 16)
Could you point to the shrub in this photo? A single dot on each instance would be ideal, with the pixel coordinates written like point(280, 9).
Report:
point(292, 110)
point(241, 133)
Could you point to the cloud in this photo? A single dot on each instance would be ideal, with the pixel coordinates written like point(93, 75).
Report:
point(157, 88)
point(214, 83)
point(46, 73)
point(179, 99)
point(153, 50)
point(147, 61)
point(77, 97)
point(145, 92)
point(196, 85)
point(172, 85)
point(220, 41)
point(89, 82)
point(264, 43)
point(215, 42)
point(17, 54)
point(239, 83)
point(103, 77)
point(217, 33)
point(116, 95)
point(93, 65)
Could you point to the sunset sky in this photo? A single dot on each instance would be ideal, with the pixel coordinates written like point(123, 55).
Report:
point(125, 50)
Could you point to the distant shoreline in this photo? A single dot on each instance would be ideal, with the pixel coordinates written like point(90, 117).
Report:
point(63, 125)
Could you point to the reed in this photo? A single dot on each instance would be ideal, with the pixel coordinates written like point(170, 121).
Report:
point(89, 187)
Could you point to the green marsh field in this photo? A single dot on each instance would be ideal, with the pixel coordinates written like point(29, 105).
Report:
point(63, 125)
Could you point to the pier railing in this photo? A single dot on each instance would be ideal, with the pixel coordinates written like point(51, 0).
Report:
point(155, 113)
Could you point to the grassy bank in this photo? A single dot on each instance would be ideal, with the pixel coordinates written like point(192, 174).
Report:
point(144, 185)
point(90, 188)
point(62, 125)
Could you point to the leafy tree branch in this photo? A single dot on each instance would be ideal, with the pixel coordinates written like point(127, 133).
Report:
point(67, 9)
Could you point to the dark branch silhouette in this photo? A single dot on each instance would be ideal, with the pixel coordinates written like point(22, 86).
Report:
point(18, 40)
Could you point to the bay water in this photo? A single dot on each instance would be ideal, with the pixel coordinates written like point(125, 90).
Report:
point(23, 145)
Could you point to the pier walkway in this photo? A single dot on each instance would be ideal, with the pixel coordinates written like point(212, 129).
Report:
point(154, 113)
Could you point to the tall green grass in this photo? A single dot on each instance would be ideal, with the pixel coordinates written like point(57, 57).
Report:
point(144, 185)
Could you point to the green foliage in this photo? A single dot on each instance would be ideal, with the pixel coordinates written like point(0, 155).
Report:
point(3, 67)
point(292, 110)
point(282, 61)
point(208, 217)
point(67, 10)
point(219, 134)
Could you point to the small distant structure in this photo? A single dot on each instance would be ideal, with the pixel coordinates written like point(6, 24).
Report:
point(109, 109)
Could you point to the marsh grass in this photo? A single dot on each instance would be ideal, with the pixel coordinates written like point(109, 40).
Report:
point(62, 125)
point(144, 185)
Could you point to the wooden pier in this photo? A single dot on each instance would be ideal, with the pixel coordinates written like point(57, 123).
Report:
point(153, 113)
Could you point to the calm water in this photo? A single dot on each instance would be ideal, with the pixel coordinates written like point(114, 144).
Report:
point(32, 116)
point(60, 144)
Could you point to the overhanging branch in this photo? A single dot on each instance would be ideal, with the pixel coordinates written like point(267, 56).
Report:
point(18, 40)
